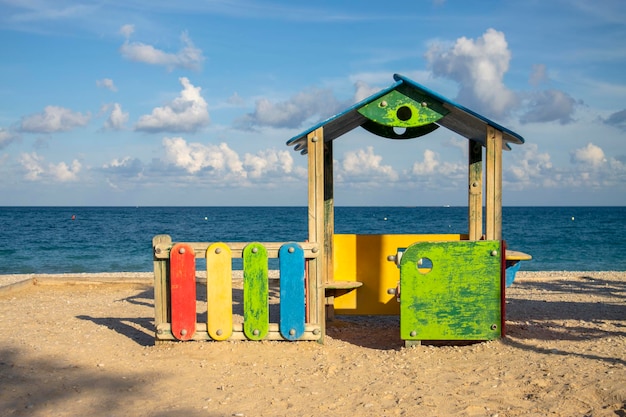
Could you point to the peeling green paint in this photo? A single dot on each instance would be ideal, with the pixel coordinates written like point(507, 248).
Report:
point(255, 292)
point(459, 299)
point(396, 109)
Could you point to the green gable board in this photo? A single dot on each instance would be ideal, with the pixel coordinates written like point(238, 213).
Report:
point(449, 114)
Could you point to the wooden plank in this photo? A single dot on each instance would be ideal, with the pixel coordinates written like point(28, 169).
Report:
point(311, 332)
point(342, 285)
point(256, 315)
point(493, 179)
point(161, 290)
point(490, 178)
point(459, 298)
point(329, 212)
point(329, 227)
point(162, 250)
point(291, 264)
point(219, 272)
point(475, 187)
point(17, 286)
point(513, 255)
point(183, 291)
point(316, 301)
point(498, 186)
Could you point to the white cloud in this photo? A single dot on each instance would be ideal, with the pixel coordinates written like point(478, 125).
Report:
point(33, 164)
point(121, 172)
point(188, 57)
point(293, 112)
point(431, 166)
point(363, 165)
point(479, 67)
point(117, 118)
point(62, 172)
point(127, 30)
point(236, 100)
point(186, 113)
point(217, 163)
point(37, 169)
point(539, 74)
point(54, 119)
point(268, 161)
point(106, 83)
point(617, 119)
point(363, 91)
point(591, 156)
point(195, 157)
point(124, 167)
point(548, 106)
point(530, 168)
point(7, 137)
point(428, 165)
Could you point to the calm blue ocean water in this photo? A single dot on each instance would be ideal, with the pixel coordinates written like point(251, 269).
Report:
point(115, 239)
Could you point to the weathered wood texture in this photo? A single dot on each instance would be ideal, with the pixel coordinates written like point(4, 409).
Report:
point(493, 179)
point(459, 298)
point(161, 270)
point(316, 300)
point(162, 249)
point(475, 190)
point(312, 332)
point(255, 292)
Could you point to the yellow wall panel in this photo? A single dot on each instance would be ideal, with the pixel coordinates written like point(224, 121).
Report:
point(363, 258)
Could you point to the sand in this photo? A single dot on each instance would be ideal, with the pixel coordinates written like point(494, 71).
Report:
point(82, 345)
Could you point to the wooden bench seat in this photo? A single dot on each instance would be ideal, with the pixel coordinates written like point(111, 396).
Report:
point(342, 285)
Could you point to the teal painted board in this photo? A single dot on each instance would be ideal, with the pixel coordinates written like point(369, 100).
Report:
point(451, 291)
point(291, 266)
point(256, 316)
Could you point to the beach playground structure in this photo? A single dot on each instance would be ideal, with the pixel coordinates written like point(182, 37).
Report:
point(444, 287)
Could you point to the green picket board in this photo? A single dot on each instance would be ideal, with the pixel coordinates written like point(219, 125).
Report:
point(255, 292)
point(453, 293)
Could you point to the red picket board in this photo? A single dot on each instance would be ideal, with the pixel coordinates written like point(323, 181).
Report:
point(183, 291)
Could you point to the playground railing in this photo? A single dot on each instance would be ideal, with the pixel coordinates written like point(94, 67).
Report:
point(179, 308)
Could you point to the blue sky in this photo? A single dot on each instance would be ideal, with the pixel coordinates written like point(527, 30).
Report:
point(140, 102)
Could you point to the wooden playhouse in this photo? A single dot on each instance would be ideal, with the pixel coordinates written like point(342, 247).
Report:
point(443, 286)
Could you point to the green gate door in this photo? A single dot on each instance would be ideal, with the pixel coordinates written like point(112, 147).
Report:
point(451, 291)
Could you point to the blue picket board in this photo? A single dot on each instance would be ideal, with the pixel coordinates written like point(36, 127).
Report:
point(292, 309)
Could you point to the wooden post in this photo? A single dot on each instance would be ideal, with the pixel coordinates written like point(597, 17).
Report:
point(493, 179)
point(329, 225)
point(475, 195)
point(161, 292)
point(317, 301)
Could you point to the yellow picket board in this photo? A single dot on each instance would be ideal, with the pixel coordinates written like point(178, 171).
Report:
point(219, 273)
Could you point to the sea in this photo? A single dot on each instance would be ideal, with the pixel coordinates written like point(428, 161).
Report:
point(38, 240)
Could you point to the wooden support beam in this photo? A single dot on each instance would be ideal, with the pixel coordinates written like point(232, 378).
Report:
point(161, 291)
point(329, 225)
point(493, 180)
point(329, 211)
point(317, 301)
point(475, 193)
point(162, 250)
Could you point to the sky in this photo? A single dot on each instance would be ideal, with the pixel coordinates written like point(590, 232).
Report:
point(190, 103)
